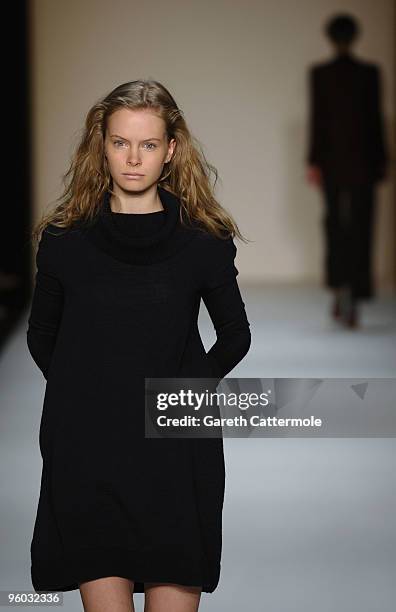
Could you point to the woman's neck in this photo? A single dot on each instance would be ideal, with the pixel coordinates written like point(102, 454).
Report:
point(135, 203)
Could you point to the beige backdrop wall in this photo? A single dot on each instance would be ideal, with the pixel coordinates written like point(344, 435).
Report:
point(237, 68)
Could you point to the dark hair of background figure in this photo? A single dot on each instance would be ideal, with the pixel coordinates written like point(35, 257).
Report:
point(342, 28)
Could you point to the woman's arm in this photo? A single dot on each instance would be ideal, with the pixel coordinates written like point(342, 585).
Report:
point(46, 307)
point(223, 300)
point(379, 147)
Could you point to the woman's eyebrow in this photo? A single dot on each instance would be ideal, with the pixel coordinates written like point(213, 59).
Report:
point(122, 138)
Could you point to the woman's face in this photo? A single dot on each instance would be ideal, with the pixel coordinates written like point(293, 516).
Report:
point(136, 142)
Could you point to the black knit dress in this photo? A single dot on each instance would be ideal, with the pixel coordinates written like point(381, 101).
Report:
point(117, 300)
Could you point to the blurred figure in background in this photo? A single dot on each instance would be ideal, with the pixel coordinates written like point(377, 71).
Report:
point(346, 158)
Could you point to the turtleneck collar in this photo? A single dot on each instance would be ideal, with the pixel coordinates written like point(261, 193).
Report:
point(171, 206)
point(166, 240)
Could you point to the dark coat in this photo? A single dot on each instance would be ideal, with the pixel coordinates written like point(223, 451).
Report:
point(346, 134)
point(115, 303)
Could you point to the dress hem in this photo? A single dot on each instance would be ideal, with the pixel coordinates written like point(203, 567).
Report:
point(65, 573)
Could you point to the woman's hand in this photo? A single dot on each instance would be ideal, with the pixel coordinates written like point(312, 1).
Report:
point(314, 176)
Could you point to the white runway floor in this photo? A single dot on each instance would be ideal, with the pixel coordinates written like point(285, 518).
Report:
point(309, 524)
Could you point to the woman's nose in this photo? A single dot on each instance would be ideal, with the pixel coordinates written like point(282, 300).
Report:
point(133, 157)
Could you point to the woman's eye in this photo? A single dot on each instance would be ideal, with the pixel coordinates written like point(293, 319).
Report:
point(150, 145)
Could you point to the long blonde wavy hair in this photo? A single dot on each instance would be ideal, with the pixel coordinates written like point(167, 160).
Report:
point(187, 175)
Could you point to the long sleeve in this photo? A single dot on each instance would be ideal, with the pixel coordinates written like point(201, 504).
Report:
point(46, 307)
point(314, 120)
point(223, 300)
point(379, 144)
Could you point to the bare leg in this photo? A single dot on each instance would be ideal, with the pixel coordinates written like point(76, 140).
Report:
point(171, 597)
point(110, 593)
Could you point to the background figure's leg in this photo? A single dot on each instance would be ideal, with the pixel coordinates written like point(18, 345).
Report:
point(336, 308)
point(359, 231)
point(335, 244)
point(362, 217)
point(334, 236)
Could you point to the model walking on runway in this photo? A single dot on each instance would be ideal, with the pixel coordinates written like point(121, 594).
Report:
point(347, 157)
point(124, 259)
